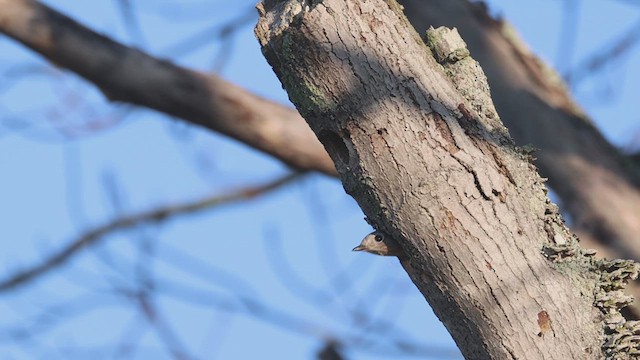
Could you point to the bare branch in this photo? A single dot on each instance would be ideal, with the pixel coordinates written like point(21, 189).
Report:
point(91, 237)
point(129, 75)
point(300, 325)
point(609, 53)
point(166, 333)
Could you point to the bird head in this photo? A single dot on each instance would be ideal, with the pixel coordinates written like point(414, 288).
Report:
point(380, 244)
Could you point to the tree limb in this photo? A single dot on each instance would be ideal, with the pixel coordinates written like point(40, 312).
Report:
point(129, 75)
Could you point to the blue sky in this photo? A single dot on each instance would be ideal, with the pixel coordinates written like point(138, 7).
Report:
point(59, 182)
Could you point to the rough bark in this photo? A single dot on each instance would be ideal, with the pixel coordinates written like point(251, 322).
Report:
point(437, 172)
point(598, 185)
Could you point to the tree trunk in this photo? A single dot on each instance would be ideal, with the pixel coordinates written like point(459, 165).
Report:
point(430, 164)
point(597, 184)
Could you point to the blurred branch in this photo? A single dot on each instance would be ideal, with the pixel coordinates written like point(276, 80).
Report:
point(569, 33)
point(91, 237)
point(612, 51)
point(330, 351)
point(129, 75)
point(143, 298)
point(50, 317)
point(217, 31)
point(383, 345)
point(325, 299)
point(130, 19)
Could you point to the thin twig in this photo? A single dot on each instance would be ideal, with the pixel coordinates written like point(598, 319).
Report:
point(92, 237)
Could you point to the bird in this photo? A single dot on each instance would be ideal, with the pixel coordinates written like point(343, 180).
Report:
point(379, 243)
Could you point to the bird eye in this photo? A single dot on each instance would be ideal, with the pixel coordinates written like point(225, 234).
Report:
point(378, 238)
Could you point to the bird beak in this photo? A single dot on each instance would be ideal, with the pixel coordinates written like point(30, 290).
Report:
point(358, 248)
